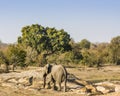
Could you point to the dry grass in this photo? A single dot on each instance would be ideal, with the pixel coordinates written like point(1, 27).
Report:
point(109, 73)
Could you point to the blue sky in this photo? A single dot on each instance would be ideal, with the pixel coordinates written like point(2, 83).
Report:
point(94, 20)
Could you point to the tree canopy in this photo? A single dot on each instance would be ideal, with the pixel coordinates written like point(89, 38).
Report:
point(85, 44)
point(45, 39)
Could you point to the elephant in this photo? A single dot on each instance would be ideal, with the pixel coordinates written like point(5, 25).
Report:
point(57, 74)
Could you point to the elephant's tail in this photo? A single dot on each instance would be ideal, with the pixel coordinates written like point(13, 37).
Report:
point(65, 79)
point(65, 74)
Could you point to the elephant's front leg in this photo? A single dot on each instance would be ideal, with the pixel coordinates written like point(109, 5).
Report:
point(49, 79)
point(54, 84)
point(44, 82)
point(48, 86)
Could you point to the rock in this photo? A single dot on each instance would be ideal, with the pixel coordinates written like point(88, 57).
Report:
point(82, 90)
point(76, 87)
point(105, 83)
point(102, 89)
point(9, 85)
point(26, 81)
point(105, 87)
point(13, 81)
point(21, 86)
point(117, 88)
point(22, 80)
point(91, 88)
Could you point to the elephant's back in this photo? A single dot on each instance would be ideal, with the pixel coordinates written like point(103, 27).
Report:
point(59, 73)
point(58, 69)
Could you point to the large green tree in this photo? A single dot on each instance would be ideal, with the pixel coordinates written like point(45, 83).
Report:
point(35, 36)
point(45, 39)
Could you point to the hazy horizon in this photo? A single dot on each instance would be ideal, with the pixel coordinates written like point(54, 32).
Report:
point(94, 20)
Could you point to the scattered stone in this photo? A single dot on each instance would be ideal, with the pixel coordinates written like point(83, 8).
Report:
point(102, 89)
point(105, 87)
point(91, 88)
point(117, 88)
point(13, 81)
point(76, 87)
point(12, 85)
point(26, 81)
point(21, 86)
point(82, 90)
point(105, 83)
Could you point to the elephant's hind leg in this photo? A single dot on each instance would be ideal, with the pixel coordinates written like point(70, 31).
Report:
point(59, 86)
point(65, 86)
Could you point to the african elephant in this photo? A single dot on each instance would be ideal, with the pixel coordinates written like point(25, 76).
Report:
point(58, 74)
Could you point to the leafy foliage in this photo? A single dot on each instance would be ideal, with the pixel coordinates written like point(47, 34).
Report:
point(45, 39)
point(4, 60)
point(16, 55)
point(34, 36)
point(85, 44)
point(59, 40)
point(115, 50)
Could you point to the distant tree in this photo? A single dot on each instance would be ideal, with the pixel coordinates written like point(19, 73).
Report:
point(85, 44)
point(115, 50)
point(16, 55)
point(4, 60)
point(86, 58)
point(103, 52)
point(73, 57)
point(95, 58)
point(0, 41)
point(75, 46)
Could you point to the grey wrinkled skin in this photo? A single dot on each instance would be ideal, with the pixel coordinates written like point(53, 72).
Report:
point(57, 74)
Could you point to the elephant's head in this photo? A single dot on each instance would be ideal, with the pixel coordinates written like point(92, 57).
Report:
point(46, 71)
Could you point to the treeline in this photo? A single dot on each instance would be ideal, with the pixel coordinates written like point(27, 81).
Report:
point(39, 45)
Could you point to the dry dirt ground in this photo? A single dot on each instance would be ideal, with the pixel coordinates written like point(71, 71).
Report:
point(109, 73)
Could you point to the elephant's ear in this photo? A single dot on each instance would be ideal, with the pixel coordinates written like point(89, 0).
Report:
point(48, 68)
